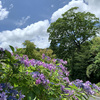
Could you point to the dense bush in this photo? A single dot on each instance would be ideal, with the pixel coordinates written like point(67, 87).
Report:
point(40, 80)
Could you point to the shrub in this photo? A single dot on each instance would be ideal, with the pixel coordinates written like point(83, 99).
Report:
point(41, 80)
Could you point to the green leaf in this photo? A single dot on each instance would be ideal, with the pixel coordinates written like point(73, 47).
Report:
point(73, 87)
point(12, 48)
point(68, 88)
point(30, 96)
point(0, 65)
point(37, 91)
point(8, 54)
point(58, 64)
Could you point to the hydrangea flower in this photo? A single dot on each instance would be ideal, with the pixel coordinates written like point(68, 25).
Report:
point(63, 74)
point(8, 93)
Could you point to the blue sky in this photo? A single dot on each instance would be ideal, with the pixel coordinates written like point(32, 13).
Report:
point(22, 20)
point(36, 10)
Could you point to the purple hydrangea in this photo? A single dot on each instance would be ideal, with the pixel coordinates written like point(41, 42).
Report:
point(21, 96)
point(38, 81)
point(8, 93)
point(43, 56)
point(63, 74)
point(3, 96)
point(1, 49)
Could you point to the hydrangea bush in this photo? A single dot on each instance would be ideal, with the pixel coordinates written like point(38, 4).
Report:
point(7, 92)
point(40, 80)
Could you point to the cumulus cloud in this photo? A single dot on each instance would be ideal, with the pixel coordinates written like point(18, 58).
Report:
point(22, 21)
point(92, 6)
point(3, 12)
point(35, 32)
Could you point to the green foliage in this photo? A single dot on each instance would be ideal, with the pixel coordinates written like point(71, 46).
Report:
point(21, 78)
point(32, 52)
point(70, 31)
point(93, 68)
point(80, 62)
point(48, 52)
point(19, 51)
point(98, 84)
point(16, 75)
point(12, 48)
point(70, 40)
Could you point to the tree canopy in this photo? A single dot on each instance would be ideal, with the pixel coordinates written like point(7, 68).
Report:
point(93, 69)
point(71, 37)
point(32, 52)
point(72, 30)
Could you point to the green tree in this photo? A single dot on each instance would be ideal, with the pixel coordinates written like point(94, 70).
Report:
point(70, 31)
point(19, 51)
point(93, 69)
point(47, 52)
point(31, 50)
point(69, 36)
point(81, 61)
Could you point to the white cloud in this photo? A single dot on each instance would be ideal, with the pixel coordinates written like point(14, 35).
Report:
point(11, 6)
point(3, 12)
point(22, 21)
point(93, 6)
point(36, 32)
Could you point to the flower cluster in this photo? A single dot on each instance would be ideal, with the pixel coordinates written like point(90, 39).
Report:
point(87, 86)
point(62, 71)
point(61, 61)
point(40, 78)
point(1, 49)
point(46, 57)
point(7, 92)
point(95, 87)
point(63, 74)
point(69, 92)
point(52, 75)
